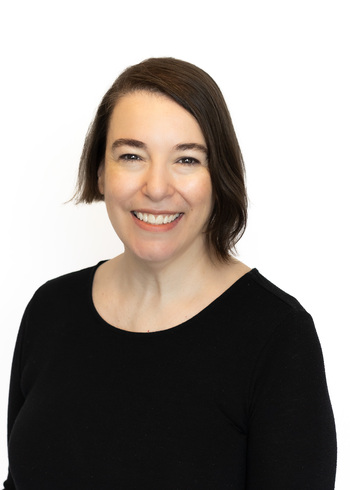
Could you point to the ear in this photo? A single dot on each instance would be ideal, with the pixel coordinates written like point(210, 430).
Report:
point(101, 178)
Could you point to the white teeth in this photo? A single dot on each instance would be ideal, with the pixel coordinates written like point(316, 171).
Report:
point(160, 219)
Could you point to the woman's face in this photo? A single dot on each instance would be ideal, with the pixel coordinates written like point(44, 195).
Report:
point(155, 178)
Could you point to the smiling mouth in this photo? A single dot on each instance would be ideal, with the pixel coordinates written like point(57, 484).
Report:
point(159, 219)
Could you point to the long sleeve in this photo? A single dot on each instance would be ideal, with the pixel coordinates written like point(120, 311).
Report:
point(291, 441)
point(16, 397)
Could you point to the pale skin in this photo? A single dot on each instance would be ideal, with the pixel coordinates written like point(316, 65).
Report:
point(158, 194)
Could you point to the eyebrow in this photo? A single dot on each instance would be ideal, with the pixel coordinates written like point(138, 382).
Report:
point(139, 144)
point(191, 146)
point(128, 142)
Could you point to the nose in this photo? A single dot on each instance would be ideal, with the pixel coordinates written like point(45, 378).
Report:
point(158, 183)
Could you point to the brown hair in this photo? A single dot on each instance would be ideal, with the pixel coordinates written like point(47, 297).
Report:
point(197, 92)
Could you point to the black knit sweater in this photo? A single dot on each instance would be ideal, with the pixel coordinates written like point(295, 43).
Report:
point(234, 398)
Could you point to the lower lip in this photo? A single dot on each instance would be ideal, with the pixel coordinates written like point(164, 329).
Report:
point(156, 228)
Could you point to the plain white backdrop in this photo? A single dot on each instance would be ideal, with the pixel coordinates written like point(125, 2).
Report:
point(283, 67)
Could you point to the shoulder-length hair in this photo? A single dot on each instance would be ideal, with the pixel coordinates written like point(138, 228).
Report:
point(197, 92)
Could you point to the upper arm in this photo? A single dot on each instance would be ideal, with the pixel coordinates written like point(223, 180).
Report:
point(16, 397)
point(291, 440)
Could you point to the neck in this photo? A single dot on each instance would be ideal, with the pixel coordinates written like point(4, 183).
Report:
point(163, 279)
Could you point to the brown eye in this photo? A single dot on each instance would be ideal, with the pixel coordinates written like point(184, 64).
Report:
point(188, 161)
point(129, 156)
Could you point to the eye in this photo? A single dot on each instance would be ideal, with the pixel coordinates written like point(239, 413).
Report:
point(188, 161)
point(129, 156)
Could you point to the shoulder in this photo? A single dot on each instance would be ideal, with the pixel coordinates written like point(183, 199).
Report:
point(262, 295)
point(58, 293)
point(59, 307)
point(270, 291)
point(288, 347)
point(277, 329)
point(256, 310)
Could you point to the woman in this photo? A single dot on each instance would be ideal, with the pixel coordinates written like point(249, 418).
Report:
point(173, 365)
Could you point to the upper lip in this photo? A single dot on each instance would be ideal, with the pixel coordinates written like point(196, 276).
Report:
point(154, 212)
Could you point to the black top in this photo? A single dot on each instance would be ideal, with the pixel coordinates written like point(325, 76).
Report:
point(234, 398)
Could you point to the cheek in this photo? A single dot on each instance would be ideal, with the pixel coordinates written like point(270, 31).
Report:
point(116, 188)
point(200, 192)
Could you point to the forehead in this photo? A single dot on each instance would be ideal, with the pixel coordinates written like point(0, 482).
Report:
point(144, 112)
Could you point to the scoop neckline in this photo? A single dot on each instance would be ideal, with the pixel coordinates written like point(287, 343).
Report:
point(168, 331)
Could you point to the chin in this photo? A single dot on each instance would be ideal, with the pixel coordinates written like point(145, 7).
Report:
point(156, 253)
point(156, 257)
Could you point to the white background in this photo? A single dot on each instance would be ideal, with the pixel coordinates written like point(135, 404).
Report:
point(283, 67)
